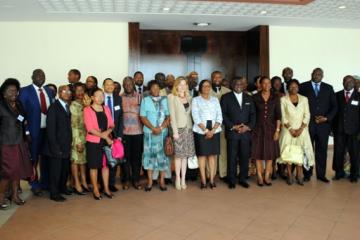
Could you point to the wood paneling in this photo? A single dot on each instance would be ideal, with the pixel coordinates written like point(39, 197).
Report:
point(134, 47)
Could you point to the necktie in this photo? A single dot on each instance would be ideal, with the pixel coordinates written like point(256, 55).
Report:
point(109, 104)
point(347, 97)
point(139, 90)
point(67, 109)
point(316, 89)
point(42, 101)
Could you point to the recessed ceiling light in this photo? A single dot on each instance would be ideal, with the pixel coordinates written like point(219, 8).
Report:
point(166, 9)
point(342, 7)
point(202, 24)
point(263, 12)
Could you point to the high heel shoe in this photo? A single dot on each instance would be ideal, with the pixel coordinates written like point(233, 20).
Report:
point(260, 184)
point(96, 197)
point(82, 193)
point(4, 206)
point(148, 188)
point(267, 183)
point(177, 184)
point(163, 189)
point(18, 201)
point(212, 185)
point(110, 196)
point(85, 189)
point(203, 186)
point(183, 186)
point(300, 182)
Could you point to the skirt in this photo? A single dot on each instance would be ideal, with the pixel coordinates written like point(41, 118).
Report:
point(94, 155)
point(154, 157)
point(184, 147)
point(15, 162)
point(206, 147)
point(78, 157)
point(263, 145)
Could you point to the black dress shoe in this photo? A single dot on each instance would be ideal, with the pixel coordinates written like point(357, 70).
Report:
point(4, 206)
point(353, 179)
point(57, 198)
point(203, 186)
point(112, 188)
point(232, 185)
point(212, 185)
point(66, 192)
point(338, 177)
point(37, 192)
point(244, 184)
point(307, 179)
point(323, 179)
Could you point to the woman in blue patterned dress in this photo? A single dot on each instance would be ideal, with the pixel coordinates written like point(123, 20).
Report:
point(154, 114)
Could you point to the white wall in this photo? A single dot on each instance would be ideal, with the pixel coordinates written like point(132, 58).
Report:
point(336, 51)
point(99, 49)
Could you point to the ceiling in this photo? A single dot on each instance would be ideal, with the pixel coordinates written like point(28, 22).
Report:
point(181, 14)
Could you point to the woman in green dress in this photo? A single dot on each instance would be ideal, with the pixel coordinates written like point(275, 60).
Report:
point(78, 156)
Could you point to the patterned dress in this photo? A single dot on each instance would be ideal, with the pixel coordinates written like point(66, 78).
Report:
point(78, 132)
point(155, 110)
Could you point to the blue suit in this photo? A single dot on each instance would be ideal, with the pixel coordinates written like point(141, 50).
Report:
point(29, 99)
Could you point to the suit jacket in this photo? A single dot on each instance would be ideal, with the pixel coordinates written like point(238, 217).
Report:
point(180, 118)
point(323, 105)
point(58, 131)
point(347, 119)
point(29, 99)
point(118, 116)
point(91, 122)
point(222, 91)
point(234, 114)
point(12, 126)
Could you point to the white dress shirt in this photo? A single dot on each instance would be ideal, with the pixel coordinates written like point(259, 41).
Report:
point(239, 98)
point(350, 93)
point(43, 116)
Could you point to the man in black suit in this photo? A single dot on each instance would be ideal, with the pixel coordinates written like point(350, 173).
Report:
point(346, 128)
point(239, 116)
point(323, 108)
point(58, 144)
point(287, 75)
point(114, 102)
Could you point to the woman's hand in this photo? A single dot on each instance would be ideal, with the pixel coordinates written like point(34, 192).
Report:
point(209, 134)
point(293, 132)
point(104, 135)
point(80, 148)
point(276, 135)
point(109, 141)
point(176, 136)
point(156, 131)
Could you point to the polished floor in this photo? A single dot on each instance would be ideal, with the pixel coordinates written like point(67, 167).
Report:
point(315, 211)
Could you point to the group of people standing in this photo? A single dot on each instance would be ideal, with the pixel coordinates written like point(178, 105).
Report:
point(282, 126)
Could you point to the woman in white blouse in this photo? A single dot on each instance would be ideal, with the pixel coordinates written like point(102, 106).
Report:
point(207, 116)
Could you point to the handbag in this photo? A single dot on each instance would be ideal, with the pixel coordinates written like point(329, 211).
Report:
point(115, 153)
point(293, 154)
point(169, 145)
point(193, 162)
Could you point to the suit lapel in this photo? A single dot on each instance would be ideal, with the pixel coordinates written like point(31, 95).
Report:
point(235, 99)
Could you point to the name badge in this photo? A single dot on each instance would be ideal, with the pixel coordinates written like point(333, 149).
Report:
point(20, 118)
point(117, 108)
point(247, 103)
point(353, 102)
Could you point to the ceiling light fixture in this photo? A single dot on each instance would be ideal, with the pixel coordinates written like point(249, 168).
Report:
point(263, 12)
point(201, 24)
point(342, 7)
point(166, 9)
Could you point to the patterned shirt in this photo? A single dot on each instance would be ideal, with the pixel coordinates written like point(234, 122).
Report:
point(131, 110)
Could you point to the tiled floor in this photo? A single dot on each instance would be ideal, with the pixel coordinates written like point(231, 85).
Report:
point(315, 211)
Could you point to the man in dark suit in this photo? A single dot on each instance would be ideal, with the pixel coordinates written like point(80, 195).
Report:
point(346, 128)
point(58, 143)
point(114, 102)
point(287, 75)
point(36, 100)
point(239, 116)
point(323, 108)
